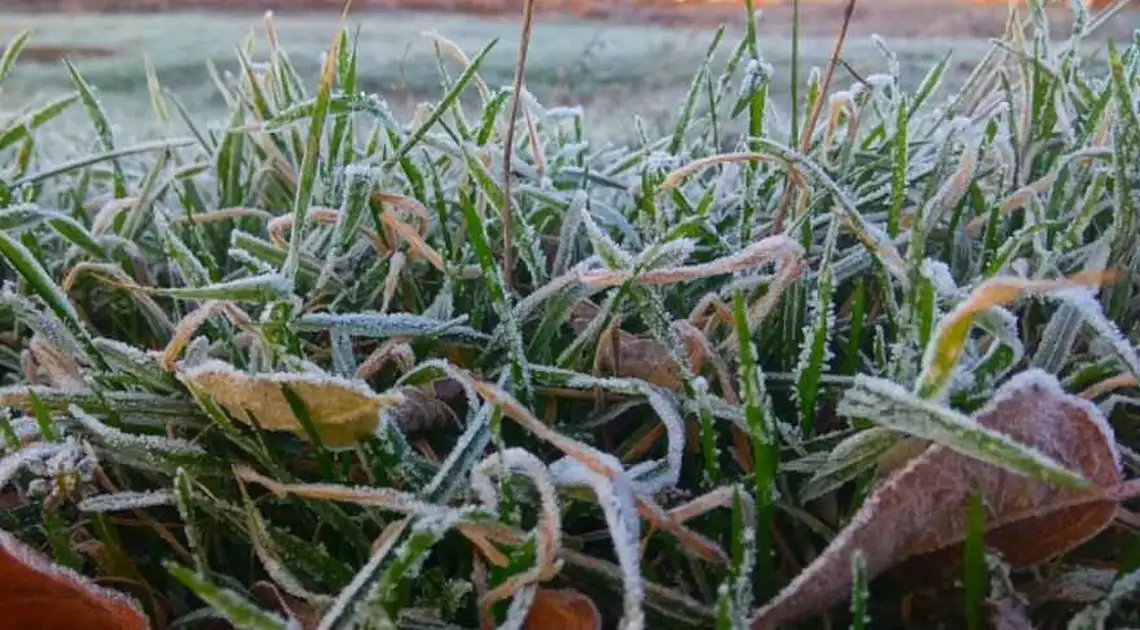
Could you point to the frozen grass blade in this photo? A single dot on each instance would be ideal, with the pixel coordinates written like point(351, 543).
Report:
point(12, 53)
point(304, 194)
point(236, 609)
point(763, 439)
point(383, 326)
point(102, 125)
point(90, 160)
point(694, 92)
point(23, 128)
point(895, 408)
point(816, 352)
point(261, 289)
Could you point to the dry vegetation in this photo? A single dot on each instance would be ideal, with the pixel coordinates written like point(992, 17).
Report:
point(861, 354)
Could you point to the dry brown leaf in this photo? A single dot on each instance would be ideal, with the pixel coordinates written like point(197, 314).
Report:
point(395, 350)
point(342, 411)
point(647, 359)
point(639, 357)
point(565, 609)
point(921, 509)
point(60, 368)
point(225, 214)
point(1120, 381)
point(423, 411)
point(38, 594)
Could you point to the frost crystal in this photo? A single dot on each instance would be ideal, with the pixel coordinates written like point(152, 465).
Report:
point(27, 457)
point(147, 443)
point(757, 74)
point(616, 499)
point(122, 501)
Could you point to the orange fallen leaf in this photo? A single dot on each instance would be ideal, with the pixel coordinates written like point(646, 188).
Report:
point(35, 593)
point(565, 609)
point(921, 509)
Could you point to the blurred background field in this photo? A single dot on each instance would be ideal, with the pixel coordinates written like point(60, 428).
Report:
point(614, 65)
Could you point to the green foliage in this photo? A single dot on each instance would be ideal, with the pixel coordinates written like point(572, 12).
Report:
point(658, 344)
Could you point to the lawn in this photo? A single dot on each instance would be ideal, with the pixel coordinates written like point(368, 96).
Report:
point(613, 70)
point(298, 362)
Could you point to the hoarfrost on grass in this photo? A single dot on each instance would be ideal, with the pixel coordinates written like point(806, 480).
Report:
point(894, 407)
point(150, 444)
point(616, 498)
point(123, 501)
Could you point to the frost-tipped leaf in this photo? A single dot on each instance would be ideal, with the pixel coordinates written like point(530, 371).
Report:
point(257, 289)
point(385, 325)
point(38, 593)
point(895, 408)
point(921, 509)
point(342, 411)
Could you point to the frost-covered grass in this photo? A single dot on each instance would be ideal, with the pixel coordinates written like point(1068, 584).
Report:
point(325, 349)
point(612, 69)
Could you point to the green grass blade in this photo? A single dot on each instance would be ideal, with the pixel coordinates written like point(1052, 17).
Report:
point(102, 126)
point(304, 194)
point(22, 260)
point(445, 103)
point(234, 608)
point(12, 53)
point(975, 563)
point(893, 407)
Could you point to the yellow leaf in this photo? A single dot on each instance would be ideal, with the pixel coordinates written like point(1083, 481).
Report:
point(342, 411)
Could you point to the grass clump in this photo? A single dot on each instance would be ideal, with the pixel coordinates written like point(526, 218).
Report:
point(281, 359)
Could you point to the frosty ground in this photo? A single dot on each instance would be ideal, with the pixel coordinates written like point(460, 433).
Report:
point(613, 69)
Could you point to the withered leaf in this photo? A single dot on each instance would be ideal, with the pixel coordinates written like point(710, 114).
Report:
point(37, 593)
point(640, 357)
point(342, 411)
point(564, 609)
point(921, 509)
